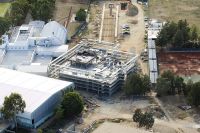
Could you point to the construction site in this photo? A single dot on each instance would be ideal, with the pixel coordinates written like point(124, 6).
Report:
point(99, 63)
point(100, 70)
point(109, 23)
point(99, 60)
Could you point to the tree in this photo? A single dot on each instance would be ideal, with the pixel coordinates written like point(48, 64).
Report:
point(178, 39)
point(137, 84)
point(59, 113)
point(188, 87)
point(146, 83)
point(185, 29)
point(147, 120)
point(171, 30)
point(168, 83)
point(179, 84)
point(19, 9)
point(162, 39)
point(72, 104)
point(13, 105)
point(166, 35)
point(178, 35)
point(144, 120)
point(42, 9)
point(137, 115)
point(4, 25)
point(81, 15)
point(133, 85)
point(169, 77)
point(194, 33)
point(194, 96)
point(162, 86)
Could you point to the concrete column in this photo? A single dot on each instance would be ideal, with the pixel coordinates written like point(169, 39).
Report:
point(116, 22)
point(102, 19)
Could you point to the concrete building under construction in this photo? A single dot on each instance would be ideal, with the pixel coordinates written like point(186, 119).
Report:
point(93, 66)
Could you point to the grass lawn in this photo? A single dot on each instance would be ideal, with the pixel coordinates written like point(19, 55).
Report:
point(4, 8)
point(175, 10)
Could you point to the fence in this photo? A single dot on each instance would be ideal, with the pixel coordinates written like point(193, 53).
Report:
point(183, 49)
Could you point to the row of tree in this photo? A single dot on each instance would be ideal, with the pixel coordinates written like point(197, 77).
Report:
point(40, 10)
point(4, 25)
point(137, 84)
point(178, 35)
point(19, 9)
point(170, 84)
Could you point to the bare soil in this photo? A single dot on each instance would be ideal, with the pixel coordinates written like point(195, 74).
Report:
point(109, 27)
point(63, 9)
point(181, 63)
point(135, 42)
point(120, 107)
point(118, 128)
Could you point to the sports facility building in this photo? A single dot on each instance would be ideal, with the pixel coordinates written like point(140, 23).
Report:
point(41, 95)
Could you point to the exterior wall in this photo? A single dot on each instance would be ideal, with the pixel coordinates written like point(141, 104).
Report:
point(43, 112)
point(102, 89)
point(56, 32)
point(46, 109)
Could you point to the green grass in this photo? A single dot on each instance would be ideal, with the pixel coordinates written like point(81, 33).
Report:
point(174, 10)
point(4, 7)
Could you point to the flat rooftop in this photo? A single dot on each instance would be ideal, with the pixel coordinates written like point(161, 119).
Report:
point(22, 33)
point(87, 60)
point(41, 60)
point(34, 89)
point(17, 57)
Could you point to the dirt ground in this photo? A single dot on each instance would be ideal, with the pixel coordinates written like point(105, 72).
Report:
point(62, 12)
point(108, 34)
point(117, 128)
point(112, 108)
point(171, 104)
point(175, 10)
point(120, 107)
point(131, 127)
point(181, 63)
point(135, 42)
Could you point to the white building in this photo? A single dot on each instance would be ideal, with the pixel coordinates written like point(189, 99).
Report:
point(154, 27)
point(33, 44)
point(56, 32)
point(41, 94)
point(153, 31)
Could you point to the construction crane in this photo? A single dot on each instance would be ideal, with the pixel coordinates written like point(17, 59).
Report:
point(66, 23)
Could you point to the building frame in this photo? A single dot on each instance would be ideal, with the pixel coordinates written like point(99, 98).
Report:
point(105, 80)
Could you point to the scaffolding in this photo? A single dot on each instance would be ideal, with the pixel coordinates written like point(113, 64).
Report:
point(94, 66)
